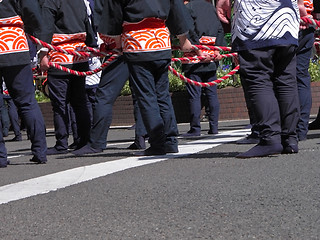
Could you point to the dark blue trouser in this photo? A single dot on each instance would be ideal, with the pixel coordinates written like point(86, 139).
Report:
point(19, 81)
point(62, 90)
point(306, 41)
point(194, 93)
point(13, 115)
point(5, 120)
point(270, 77)
point(111, 83)
point(151, 86)
point(90, 99)
point(3, 150)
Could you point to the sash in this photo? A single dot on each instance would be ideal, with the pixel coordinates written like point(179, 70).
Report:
point(204, 40)
point(73, 42)
point(148, 35)
point(12, 36)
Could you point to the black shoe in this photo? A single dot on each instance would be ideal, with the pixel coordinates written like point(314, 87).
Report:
point(250, 139)
point(191, 134)
point(291, 148)
point(212, 132)
point(151, 152)
point(16, 139)
point(314, 125)
point(135, 146)
point(54, 151)
point(262, 151)
point(73, 146)
point(87, 149)
point(5, 164)
point(171, 149)
point(38, 161)
point(139, 143)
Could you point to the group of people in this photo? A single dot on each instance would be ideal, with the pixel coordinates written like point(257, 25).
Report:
point(264, 35)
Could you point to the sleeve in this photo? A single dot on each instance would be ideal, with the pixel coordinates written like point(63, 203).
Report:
point(49, 13)
point(31, 16)
point(176, 21)
point(91, 36)
point(193, 36)
point(111, 19)
point(98, 8)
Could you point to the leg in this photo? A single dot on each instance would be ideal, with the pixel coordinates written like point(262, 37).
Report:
point(91, 97)
point(72, 127)
point(256, 70)
point(213, 102)
point(287, 94)
point(112, 81)
point(144, 85)
point(77, 95)
point(5, 120)
point(166, 107)
point(3, 150)
point(58, 92)
point(306, 40)
point(19, 81)
point(14, 119)
point(140, 130)
point(194, 94)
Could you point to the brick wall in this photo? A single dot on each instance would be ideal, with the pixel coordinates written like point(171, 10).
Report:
point(232, 106)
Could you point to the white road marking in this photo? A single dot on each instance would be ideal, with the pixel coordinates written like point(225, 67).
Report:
point(59, 180)
point(15, 156)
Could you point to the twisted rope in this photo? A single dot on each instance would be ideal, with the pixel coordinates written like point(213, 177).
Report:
point(87, 73)
point(311, 21)
point(203, 84)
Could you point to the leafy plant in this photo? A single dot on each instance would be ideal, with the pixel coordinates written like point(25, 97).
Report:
point(40, 97)
point(314, 69)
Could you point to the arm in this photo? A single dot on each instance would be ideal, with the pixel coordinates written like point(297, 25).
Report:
point(224, 10)
point(31, 17)
point(303, 13)
point(302, 9)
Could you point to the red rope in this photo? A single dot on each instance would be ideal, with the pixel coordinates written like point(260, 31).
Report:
point(203, 84)
point(311, 21)
point(87, 73)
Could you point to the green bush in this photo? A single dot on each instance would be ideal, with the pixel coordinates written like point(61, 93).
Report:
point(40, 97)
point(314, 70)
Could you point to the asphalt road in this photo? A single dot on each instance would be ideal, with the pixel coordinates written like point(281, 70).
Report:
point(203, 193)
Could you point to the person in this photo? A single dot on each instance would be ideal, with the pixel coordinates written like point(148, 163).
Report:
point(5, 120)
point(304, 51)
point(265, 37)
point(112, 80)
point(206, 29)
point(12, 113)
point(147, 49)
point(16, 19)
point(315, 124)
point(69, 28)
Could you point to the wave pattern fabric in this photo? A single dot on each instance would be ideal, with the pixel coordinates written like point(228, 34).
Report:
point(12, 37)
point(264, 23)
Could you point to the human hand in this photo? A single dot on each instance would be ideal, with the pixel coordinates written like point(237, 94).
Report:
point(44, 61)
point(223, 10)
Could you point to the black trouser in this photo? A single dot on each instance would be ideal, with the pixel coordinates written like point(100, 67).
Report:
point(113, 78)
point(19, 81)
point(151, 86)
point(270, 78)
point(62, 90)
point(194, 93)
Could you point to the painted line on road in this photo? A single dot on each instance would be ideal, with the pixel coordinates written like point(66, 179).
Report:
point(59, 180)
